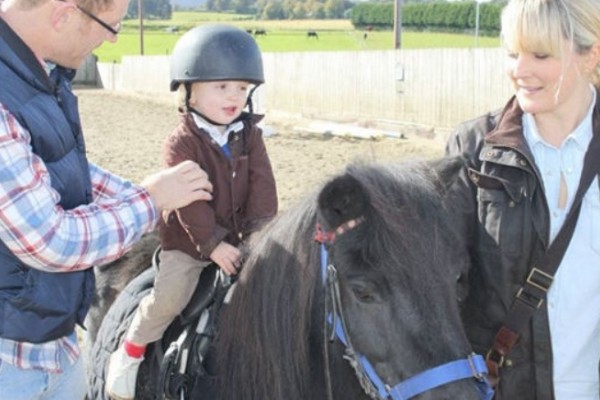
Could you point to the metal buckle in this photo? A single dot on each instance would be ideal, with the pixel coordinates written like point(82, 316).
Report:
point(474, 371)
point(529, 299)
point(540, 279)
point(496, 357)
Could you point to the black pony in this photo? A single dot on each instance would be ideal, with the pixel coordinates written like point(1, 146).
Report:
point(352, 315)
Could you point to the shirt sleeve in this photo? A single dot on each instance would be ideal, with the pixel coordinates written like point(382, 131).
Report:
point(45, 236)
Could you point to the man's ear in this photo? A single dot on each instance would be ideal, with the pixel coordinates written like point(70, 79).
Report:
point(61, 13)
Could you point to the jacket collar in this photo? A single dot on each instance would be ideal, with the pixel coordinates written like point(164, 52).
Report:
point(509, 129)
point(19, 57)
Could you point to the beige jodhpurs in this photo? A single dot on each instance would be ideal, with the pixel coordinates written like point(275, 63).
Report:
point(174, 285)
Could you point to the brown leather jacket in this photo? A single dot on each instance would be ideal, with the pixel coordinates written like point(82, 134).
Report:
point(244, 193)
point(500, 204)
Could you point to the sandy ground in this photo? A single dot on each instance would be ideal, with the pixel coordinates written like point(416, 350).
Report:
point(124, 133)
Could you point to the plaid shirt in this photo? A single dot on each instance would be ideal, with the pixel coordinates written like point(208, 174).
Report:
point(44, 356)
point(46, 237)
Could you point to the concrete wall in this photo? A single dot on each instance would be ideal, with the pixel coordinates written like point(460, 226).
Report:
point(428, 87)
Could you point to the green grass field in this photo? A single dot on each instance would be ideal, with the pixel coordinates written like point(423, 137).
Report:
point(334, 35)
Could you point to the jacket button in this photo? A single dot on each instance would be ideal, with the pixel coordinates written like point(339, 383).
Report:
point(511, 204)
point(508, 363)
point(522, 163)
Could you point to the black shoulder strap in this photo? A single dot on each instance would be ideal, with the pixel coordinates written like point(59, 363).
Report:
point(532, 293)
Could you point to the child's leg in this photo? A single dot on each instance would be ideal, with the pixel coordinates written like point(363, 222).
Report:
point(174, 286)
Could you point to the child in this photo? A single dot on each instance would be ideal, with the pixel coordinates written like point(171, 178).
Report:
point(213, 66)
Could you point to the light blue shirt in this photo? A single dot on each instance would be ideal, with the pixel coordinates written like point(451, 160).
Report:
point(574, 298)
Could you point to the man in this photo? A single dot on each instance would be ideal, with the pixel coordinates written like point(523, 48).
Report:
point(60, 214)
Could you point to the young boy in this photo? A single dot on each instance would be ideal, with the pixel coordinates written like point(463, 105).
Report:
point(214, 68)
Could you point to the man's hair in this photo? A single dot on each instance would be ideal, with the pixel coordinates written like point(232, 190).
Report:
point(94, 5)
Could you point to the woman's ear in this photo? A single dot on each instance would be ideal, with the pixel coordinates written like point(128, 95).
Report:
point(592, 57)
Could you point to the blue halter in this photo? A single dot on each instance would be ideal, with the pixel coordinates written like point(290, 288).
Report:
point(471, 367)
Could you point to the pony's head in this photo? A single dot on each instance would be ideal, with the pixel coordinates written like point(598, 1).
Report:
point(396, 258)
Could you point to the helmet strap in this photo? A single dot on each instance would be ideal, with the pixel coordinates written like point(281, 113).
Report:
point(249, 99)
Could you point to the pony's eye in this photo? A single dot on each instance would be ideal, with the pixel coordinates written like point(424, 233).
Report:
point(363, 293)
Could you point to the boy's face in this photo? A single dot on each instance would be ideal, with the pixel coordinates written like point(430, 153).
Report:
point(220, 101)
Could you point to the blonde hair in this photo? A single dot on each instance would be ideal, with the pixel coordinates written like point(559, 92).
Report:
point(181, 97)
point(543, 26)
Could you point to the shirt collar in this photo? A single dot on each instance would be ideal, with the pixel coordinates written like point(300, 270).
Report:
point(48, 66)
point(581, 135)
point(214, 132)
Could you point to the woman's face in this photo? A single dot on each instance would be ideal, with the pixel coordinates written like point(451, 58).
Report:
point(547, 84)
point(220, 101)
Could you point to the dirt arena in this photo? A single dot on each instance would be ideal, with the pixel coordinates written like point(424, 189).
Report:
point(124, 134)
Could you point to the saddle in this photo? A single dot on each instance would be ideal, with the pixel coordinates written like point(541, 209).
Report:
point(187, 340)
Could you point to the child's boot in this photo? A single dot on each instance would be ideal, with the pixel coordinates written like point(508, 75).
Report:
point(122, 374)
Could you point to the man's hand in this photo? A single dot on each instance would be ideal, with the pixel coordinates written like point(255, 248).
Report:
point(178, 186)
point(227, 257)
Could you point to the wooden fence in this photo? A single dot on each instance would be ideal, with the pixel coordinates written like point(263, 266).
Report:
point(435, 88)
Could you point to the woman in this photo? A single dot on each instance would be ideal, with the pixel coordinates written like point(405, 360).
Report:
point(524, 168)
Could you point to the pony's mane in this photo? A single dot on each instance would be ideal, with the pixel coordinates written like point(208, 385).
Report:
point(281, 257)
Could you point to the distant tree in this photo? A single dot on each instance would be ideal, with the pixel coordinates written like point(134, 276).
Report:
point(273, 10)
point(243, 6)
point(334, 9)
point(153, 9)
point(298, 9)
point(218, 5)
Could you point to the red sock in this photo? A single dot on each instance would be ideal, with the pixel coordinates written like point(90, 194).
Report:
point(134, 350)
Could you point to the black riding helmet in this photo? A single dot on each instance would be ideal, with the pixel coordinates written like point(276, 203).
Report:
point(216, 52)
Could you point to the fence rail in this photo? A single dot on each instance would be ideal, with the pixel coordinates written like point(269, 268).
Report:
point(429, 87)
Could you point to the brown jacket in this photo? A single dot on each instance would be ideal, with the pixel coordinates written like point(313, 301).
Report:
point(244, 193)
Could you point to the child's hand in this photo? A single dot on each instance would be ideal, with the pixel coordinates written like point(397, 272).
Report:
point(227, 257)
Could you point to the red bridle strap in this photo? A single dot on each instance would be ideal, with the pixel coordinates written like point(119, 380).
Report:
point(329, 237)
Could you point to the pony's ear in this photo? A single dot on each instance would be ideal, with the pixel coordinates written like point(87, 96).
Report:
point(342, 199)
point(447, 170)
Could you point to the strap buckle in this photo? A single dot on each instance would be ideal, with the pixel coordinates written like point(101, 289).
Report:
point(539, 280)
point(496, 357)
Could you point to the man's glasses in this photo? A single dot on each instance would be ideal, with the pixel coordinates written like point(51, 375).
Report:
point(113, 29)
